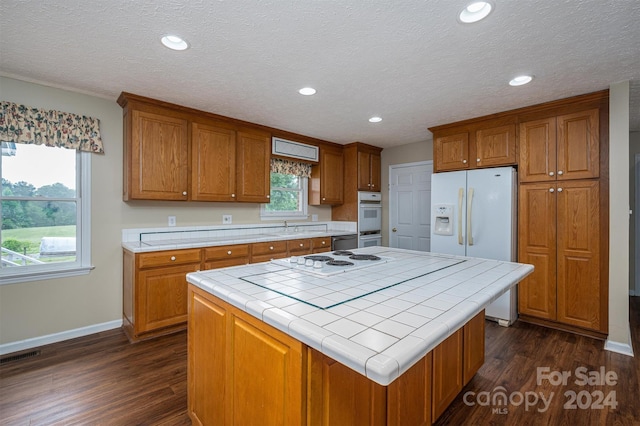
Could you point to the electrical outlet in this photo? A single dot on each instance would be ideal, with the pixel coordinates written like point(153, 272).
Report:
point(172, 220)
point(314, 217)
point(226, 219)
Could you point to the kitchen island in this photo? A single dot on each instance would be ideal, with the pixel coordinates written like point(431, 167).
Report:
point(389, 342)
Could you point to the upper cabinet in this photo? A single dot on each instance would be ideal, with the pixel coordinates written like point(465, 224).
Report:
point(214, 163)
point(476, 145)
point(253, 168)
point(326, 182)
point(560, 148)
point(156, 156)
point(368, 169)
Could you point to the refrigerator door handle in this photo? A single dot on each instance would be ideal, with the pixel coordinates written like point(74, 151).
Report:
point(469, 204)
point(460, 197)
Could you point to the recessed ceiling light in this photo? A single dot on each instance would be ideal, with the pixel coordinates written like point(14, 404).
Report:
point(475, 11)
point(520, 80)
point(307, 91)
point(375, 119)
point(174, 42)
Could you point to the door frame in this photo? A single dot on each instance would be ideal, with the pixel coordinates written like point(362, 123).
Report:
point(637, 226)
point(398, 166)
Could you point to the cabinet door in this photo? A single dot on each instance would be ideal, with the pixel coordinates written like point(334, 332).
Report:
point(375, 172)
point(473, 347)
point(266, 374)
point(162, 297)
point(320, 244)
point(331, 180)
point(338, 395)
point(159, 157)
point(452, 152)
point(578, 145)
point(496, 146)
point(207, 340)
point(253, 167)
point(579, 297)
point(537, 246)
point(213, 170)
point(447, 373)
point(537, 151)
point(364, 171)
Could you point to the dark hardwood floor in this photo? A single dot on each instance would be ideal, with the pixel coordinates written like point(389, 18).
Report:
point(103, 380)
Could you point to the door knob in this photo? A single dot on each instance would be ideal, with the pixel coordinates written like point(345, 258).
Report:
point(394, 230)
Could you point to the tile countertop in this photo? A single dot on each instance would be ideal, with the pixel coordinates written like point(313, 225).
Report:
point(185, 238)
point(382, 333)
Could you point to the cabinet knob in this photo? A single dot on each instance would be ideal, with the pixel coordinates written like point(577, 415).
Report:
point(551, 190)
point(369, 184)
point(229, 252)
point(559, 172)
point(477, 160)
point(323, 243)
point(551, 173)
point(173, 258)
point(464, 161)
point(559, 189)
point(270, 247)
point(184, 192)
point(394, 230)
point(233, 195)
point(373, 186)
point(268, 196)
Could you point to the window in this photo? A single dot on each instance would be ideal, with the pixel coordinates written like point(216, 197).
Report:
point(45, 212)
point(288, 197)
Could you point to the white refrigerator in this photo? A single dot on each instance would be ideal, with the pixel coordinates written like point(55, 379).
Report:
point(474, 215)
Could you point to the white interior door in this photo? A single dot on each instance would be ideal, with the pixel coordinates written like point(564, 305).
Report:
point(410, 205)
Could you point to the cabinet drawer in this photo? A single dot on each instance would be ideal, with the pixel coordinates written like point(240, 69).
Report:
point(226, 252)
point(320, 244)
point(299, 246)
point(168, 258)
point(268, 248)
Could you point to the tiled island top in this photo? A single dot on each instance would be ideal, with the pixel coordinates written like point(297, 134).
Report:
point(398, 312)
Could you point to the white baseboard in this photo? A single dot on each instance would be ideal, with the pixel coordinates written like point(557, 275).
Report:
point(619, 347)
point(35, 342)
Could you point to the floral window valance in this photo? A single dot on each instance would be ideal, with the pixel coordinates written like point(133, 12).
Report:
point(288, 167)
point(23, 124)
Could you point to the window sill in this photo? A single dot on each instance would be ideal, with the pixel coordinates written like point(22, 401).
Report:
point(44, 275)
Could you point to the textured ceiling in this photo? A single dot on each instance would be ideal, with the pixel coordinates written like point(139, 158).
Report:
point(408, 61)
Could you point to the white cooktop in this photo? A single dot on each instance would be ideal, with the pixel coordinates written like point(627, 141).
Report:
point(322, 285)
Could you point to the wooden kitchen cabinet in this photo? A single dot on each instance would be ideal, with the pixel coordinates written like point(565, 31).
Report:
point(447, 373)
point(326, 185)
point(320, 244)
point(214, 163)
point(155, 291)
point(473, 347)
point(559, 234)
point(496, 146)
point(156, 156)
point(253, 167)
point(223, 256)
point(264, 252)
point(240, 370)
point(562, 147)
point(451, 152)
point(368, 170)
point(299, 247)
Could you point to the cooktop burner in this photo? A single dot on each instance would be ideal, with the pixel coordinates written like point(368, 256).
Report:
point(364, 257)
point(319, 257)
point(343, 253)
point(339, 263)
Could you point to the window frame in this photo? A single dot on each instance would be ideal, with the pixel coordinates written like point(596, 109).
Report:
point(82, 265)
point(280, 215)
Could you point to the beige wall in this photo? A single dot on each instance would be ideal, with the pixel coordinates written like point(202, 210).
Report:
point(41, 308)
point(619, 332)
point(634, 148)
point(410, 153)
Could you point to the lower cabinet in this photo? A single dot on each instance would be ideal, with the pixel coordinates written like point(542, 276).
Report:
point(155, 291)
point(299, 247)
point(240, 370)
point(264, 252)
point(223, 256)
point(243, 371)
point(320, 244)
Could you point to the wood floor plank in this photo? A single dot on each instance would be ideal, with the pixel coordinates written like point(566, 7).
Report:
point(102, 379)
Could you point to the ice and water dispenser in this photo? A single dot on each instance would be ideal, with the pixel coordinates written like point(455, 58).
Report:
point(444, 219)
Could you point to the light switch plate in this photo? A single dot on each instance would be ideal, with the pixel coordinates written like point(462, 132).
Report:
point(226, 219)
